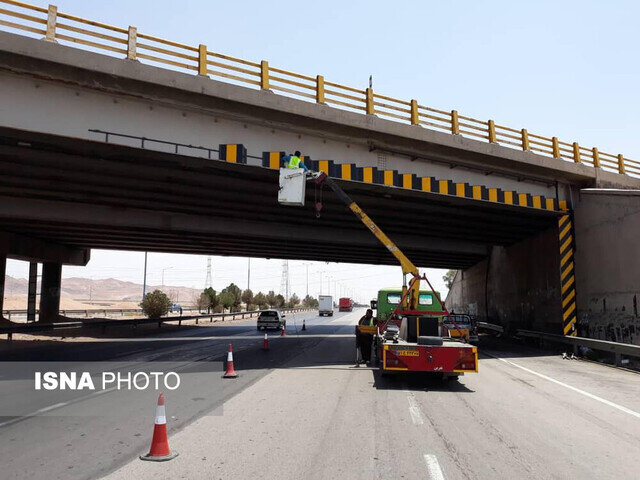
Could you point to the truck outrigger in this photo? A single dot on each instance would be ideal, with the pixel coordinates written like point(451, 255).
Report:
point(411, 339)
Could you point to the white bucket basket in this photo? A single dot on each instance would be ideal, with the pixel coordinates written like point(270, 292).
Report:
point(293, 184)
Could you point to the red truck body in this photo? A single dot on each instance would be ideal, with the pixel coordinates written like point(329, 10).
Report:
point(345, 304)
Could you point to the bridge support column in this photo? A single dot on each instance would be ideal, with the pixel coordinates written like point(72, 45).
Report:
point(3, 268)
point(32, 292)
point(50, 292)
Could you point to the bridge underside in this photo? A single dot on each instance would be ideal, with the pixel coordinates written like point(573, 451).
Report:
point(85, 194)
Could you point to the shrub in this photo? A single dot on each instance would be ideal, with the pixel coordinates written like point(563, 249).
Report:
point(155, 304)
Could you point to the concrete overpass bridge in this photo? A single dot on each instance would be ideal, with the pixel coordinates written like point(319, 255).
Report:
point(168, 147)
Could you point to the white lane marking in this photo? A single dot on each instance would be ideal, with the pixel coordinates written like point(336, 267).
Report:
point(414, 409)
point(577, 390)
point(52, 407)
point(433, 467)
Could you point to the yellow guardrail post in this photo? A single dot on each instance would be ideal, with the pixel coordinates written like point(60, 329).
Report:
point(369, 102)
point(132, 42)
point(52, 19)
point(455, 123)
point(621, 168)
point(576, 152)
point(264, 75)
point(525, 140)
point(202, 60)
point(414, 113)
point(319, 89)
point(492, 131)
point(596, 157)
point(555, 147)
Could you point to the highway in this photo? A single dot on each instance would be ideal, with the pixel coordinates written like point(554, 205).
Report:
point(302, 410)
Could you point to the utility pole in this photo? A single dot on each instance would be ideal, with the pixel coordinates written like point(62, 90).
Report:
point(207, 281)
point(249, 274)
point(284, 280)
point(144, 281)
point(168, 268)
point(307, 266)
point(321, 282)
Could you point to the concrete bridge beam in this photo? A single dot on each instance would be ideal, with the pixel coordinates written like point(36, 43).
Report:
point(29, 248)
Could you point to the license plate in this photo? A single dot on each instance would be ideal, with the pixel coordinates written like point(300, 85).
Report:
point(407, 353)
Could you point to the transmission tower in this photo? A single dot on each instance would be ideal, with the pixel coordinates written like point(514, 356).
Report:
point(208, 282)
point(284, 280)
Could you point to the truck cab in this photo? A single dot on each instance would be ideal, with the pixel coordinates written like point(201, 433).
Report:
point(389, 298)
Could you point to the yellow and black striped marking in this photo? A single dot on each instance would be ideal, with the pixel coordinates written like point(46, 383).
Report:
point(567, 275)
point(392, 178)
point(233, 153)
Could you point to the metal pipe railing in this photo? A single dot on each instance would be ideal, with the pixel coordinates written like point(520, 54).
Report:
point(54, 26)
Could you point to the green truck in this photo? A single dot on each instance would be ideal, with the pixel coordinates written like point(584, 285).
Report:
point(389, 298)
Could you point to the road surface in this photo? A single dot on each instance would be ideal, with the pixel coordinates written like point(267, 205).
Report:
point(302, 410)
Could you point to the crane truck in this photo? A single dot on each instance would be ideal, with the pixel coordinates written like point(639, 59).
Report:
point(410, 339)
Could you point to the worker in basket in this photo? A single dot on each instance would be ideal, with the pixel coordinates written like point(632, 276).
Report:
point(294, 161)
point(365, 340)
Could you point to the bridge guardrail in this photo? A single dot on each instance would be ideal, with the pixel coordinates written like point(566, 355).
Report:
point(86, 312)
point(133, 45)
point(618, 349)
point(34, 327)
point(491, 326)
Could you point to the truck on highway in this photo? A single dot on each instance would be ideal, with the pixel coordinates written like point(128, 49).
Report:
point(325, 305)
point(345, 304)
point(411, 338)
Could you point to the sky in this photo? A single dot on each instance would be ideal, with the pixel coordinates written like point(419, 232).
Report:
point(568, 69)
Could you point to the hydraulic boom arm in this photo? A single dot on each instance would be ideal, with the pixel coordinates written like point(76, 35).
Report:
point(410, 298)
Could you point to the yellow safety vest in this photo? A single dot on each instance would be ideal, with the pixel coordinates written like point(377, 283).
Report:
point(294, 162)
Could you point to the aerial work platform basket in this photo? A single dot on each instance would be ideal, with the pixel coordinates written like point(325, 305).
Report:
point(293, 184)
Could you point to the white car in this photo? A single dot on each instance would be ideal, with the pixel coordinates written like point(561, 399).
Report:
point(271, 319)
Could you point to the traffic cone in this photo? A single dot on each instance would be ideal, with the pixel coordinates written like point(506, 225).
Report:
point(159, 451)
point(265, 343)
point(283, 332)
point(304, 326)
point(230, 373)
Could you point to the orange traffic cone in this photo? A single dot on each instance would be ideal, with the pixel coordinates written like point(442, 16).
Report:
point(159, 451)
point(304, 326)
point(283, 332)
point(265, 343)
point(230, 373)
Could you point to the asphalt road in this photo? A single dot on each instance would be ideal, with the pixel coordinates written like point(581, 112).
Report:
point(302, 410)
point(75, 440)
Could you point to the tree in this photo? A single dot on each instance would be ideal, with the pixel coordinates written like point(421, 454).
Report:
point(293, 301)
point(271, 299)
point(448, 278)
point(279, 301)
point(213, 298)
point(234, 291)
point(261, 300)
point(201, 301)
point(309, 302)
point(247, 298)
point(226, 299)
point(155, 304)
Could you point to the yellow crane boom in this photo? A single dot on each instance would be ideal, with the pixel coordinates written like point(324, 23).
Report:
point(410, 298)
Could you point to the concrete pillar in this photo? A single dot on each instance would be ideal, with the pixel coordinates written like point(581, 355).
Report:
point(3, 268)
point(32, 292)
point(50, 291)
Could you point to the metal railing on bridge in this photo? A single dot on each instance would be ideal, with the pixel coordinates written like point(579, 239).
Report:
point(133, 45)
